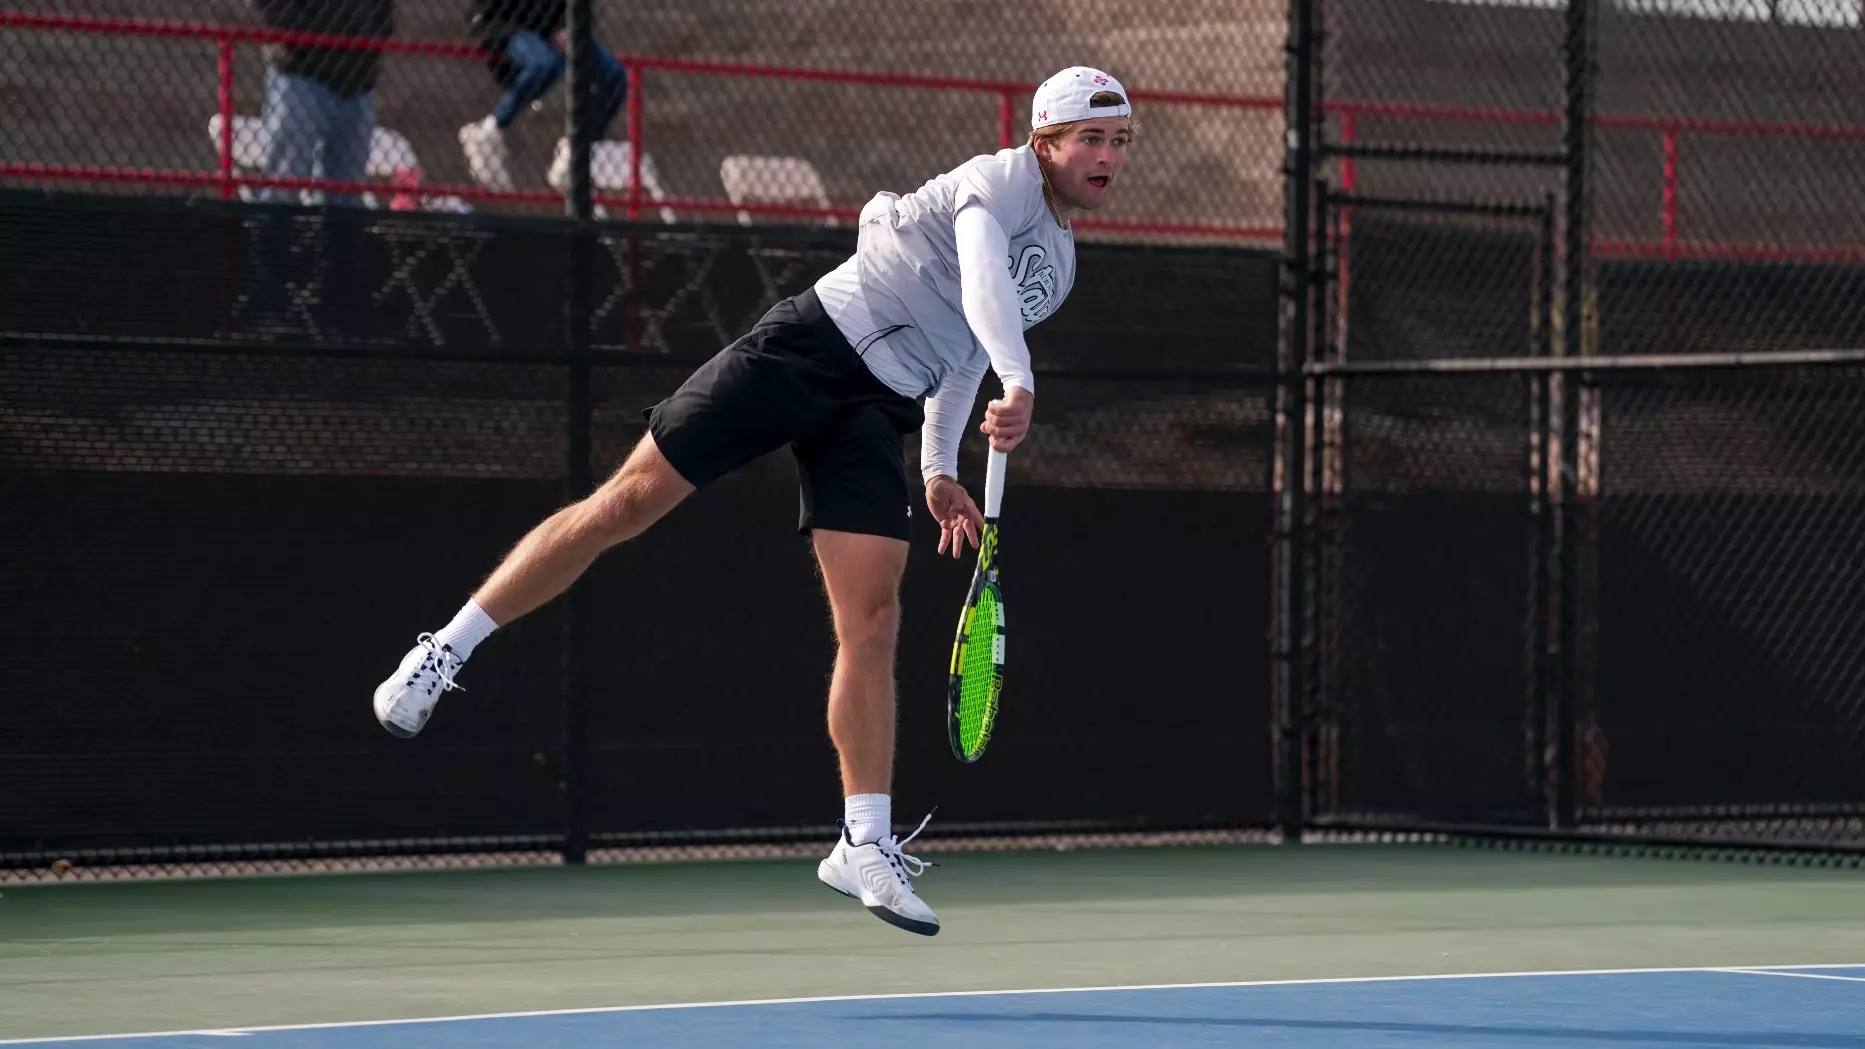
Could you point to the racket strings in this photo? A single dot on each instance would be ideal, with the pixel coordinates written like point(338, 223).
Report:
point(978, 672)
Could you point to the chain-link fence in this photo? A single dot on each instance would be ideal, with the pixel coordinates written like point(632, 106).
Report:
point(1729, 578)
point(290, 267)
point(716, 111)
point(1426, 545)
point(1732, 131)
point(1468, 82)
point(1715, 658)
point(220, 515)
point(1720, 131)
point(1603, 597)
point(1520, 592)
point(1721, 214)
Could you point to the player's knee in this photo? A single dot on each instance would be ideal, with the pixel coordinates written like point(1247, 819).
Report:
point(540, 71)
point(869, 627)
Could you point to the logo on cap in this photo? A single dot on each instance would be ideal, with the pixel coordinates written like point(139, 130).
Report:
point(1101, 80)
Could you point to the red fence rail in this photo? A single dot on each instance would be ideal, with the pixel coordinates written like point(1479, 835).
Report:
point(1671, 244)
point(229, 180)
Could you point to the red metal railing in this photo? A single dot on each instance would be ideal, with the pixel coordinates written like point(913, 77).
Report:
point(228, 180)
point(1670, 245)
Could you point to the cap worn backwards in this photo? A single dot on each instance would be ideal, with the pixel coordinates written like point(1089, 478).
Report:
point(1068, 97)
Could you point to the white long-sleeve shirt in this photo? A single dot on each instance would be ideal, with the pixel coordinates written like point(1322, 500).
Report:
point(943, 285)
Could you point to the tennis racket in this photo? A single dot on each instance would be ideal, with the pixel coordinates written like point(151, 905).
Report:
point(978, 655)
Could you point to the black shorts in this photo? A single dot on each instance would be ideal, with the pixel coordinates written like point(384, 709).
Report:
point(793, 379)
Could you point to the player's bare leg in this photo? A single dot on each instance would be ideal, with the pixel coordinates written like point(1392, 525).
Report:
point(543, 565)
point(556, 553)
point(861, 574)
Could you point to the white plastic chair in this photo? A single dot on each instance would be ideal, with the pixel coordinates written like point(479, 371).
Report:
point(609, 162)
point(772, 180)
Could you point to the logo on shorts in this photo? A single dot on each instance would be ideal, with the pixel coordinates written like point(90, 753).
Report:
point(1036, 283)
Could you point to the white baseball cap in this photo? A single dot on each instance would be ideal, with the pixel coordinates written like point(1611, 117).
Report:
point(1063, 98)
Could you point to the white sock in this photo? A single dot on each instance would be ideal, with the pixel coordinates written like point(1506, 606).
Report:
point(870, 817)
point(469, 627)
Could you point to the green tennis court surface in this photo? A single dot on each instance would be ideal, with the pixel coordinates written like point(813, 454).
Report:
point(78, 959)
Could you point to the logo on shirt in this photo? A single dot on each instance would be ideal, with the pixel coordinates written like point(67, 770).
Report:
point(1036, 283)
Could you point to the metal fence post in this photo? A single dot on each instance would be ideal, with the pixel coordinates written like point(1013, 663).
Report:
point(576, 475)
point(1290, 582)
point(1542, 606)
point(1576, 128)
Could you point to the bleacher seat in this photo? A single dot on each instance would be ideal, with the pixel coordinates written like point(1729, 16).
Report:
point(609, 172)
point(772, 180)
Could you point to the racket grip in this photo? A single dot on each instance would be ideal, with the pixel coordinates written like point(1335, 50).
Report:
point(994, 484)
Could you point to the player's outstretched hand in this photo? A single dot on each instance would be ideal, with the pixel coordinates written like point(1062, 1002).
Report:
point(959, 518)
point(1007, 420)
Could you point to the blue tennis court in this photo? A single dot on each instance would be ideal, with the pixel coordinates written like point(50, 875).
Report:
point(1806, 1008)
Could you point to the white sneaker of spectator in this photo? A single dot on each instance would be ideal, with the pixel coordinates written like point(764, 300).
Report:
point(483, 142)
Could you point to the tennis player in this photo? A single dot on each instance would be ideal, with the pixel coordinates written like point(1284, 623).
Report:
point(941, 287)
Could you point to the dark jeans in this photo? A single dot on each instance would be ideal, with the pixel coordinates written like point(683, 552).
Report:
point(311, 131)
point(536, 68)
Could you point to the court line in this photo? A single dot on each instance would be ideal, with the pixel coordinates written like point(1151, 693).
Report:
point(1762, 970)
point(1799, 976)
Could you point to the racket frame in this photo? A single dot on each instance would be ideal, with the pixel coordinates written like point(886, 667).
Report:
point(983, 577)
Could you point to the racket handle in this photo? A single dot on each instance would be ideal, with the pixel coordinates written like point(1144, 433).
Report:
point(994, 484)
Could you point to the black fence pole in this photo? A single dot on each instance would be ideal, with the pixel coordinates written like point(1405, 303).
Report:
point(1324, 287)
point(1291, 410)
point(1576, 132)
point(576, 474)
point(1325, 261)
point(1541, 606)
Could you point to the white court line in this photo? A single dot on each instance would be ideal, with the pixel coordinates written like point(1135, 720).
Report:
point(1783, 971)
point(1763, 970)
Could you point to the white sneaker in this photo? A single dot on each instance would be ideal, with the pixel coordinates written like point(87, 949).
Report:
point(559, 176)
point(484, 144)
point(405, 701)
point(879, 875)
